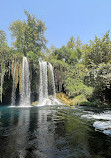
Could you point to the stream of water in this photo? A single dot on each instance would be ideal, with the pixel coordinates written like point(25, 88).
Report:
point(25, 84)
point(52, 132)
point(44, 97)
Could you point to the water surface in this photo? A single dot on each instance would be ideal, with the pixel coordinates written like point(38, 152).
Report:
point(50, 132)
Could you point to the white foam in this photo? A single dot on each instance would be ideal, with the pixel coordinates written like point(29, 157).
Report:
point(107, 132)
point(49, 101)
point(102, 116)
point(26, 106)
point(102, 121)
point(102, 125)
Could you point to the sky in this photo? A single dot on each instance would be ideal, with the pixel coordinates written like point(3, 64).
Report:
point(63, 18)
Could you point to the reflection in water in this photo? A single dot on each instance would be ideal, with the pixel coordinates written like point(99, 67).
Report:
point(22, 134)
point(45, 134)
point(18, 131)
point(49, 132)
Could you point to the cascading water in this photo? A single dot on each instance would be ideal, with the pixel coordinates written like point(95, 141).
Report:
point(43, 87)
point(13, 87)
point(25, 84)
point(52, 79)
point(44, 98)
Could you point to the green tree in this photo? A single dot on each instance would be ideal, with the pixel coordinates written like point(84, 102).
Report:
point(4, 58)
point(28, 35)
point(78, 42)
point(98, 51)
point(18, 28)
point(2, 39)
point(69, 55)
point(71, 44)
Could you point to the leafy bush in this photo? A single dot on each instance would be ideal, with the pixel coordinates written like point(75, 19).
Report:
point(78, 100)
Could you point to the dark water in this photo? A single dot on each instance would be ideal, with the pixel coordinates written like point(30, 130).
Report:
point(50, 132)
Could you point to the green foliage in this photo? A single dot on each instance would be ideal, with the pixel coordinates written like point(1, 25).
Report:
point(98, 51)
point(71, 53)
point(70, 56)
point(28, 35)
point(18, 28)
point(74, 81)
point(79, 100)
point(5, 58)
point(72, 77)
point(2, 39)
point(99, 76)
point(71, 43)
point(60, 64)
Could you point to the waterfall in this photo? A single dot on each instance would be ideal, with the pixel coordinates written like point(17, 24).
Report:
point(44, 98)
point(52, 79)
point(13, 97)
point(25, 84)
point(43, 88)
